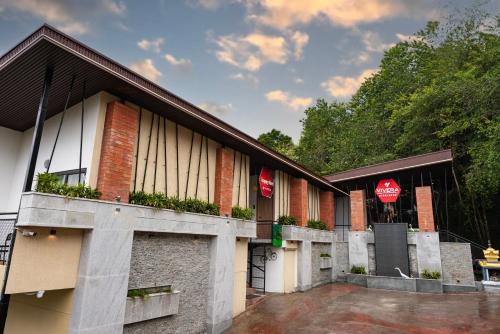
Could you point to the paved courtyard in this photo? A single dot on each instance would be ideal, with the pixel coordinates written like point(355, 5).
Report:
point(344, 308)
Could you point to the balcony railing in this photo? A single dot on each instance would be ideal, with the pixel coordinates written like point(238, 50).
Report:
point(7, 221)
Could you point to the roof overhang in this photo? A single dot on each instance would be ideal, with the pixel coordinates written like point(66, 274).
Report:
point(413, 162)
point(21, 79)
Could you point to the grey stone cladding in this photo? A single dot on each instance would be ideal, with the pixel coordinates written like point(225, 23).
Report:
point(178, 260)
point(456, 262)
point(320, 276)
point(372, 267)
point(412, 255)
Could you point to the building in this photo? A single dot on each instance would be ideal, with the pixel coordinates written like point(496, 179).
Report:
point(69, 110)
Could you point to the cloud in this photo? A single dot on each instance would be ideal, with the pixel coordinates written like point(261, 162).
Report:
point(294, 102)
point(147, 69)
point(216, 108)
point(72, 17)
point(182, 64)
point(299, 40)
point(408, 38)
point(252, 51)
point(245, 77)
point(208, 4)
point(152, 44)
point(282, 14)
point(373, 42)
point(298, 80)
point(344, 86)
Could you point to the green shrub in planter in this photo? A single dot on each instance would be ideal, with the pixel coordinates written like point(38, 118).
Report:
point(324, 255)
point(50, 183)
point(287, 220)
point(242, 213)
point(358, 270)
point(317, 224)
point(161, 201)
point(431, 274)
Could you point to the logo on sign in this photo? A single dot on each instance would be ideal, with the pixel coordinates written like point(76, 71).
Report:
point(266, 182)
point(387, 191)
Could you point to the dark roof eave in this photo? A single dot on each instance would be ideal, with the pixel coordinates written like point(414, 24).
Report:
point(86, 53)
point(416, 161)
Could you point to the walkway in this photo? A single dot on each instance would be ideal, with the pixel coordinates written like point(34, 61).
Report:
point(343, 308)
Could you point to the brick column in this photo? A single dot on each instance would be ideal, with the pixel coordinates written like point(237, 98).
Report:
point(327, 209)
point(224, 181)
point(298, 200)
point(358, 210)
point(424, 209)
point(117, 152)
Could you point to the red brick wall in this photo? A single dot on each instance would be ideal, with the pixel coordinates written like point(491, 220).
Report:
point(424, 209)
point(358, 210)
point(298, 200)
point(224, 181)
point(327, 209)
point(117, 152)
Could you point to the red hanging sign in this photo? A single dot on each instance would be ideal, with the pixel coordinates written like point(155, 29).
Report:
point(266, 182)
point(387, 191)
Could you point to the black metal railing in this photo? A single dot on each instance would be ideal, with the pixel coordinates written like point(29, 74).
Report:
point(7, 221)
point(476, 248)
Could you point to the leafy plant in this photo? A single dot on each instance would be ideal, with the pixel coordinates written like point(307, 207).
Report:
point(324, 255)
point(242, 213)
point(50, 183)
point(431, 274)
point(287, 220)
point(317, 224)
point(358, 270)
point(144, 292)
point(161, 201)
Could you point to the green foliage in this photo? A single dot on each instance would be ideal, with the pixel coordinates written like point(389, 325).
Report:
point(287, 220)
point(440, 90)
point(161, 201)
point(144, 292)
point(279, 142)
point(431, 274)
point(317, 224)
point(50, 183)
point(358, 270)
point(324, 255)
point(242, 213)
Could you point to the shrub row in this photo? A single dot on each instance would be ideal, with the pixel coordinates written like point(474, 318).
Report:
point(161, 201)
point(50, 183)
point(242, 213)
point(287, 220)
point(317, 224)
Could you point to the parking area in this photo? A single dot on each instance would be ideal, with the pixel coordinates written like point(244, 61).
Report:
point(344, 308)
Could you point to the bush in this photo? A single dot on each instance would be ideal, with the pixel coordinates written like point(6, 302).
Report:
point(50, 184)
point(431, 274)
point(317, 224)
point(287, 220)
point(242, 213)
point(161, 201)
point(324, 255)
point(358, 270)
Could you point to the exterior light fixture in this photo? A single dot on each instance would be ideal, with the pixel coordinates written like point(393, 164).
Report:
point(52, 234)
point(27, 233)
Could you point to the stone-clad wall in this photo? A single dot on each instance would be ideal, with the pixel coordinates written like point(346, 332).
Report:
point(320, 276)
point(372, 266)
point(456, 262)
point(178, 260)
point(412, 255)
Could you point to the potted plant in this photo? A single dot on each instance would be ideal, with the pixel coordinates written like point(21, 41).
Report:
point(150, 303)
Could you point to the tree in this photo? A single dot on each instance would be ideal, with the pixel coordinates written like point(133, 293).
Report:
point(440, 90)
point(279, 142)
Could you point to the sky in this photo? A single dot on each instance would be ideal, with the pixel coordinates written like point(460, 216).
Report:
point(256, 64)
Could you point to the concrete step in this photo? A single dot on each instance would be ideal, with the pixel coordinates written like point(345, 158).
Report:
point(254, 299)
point(251, 291)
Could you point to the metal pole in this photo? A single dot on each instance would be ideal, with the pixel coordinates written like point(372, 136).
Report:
point(81, 135)
point(446, 205)
point(28, 181)
point(61, 122)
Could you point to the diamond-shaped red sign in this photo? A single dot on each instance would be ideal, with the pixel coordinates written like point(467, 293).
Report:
point(387, 190)
point(266, 182)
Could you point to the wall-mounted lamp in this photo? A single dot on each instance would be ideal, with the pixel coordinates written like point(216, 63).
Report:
point(52, 234)
point(28, 233)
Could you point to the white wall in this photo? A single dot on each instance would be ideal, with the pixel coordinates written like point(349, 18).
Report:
point(66, 155)
point(274, 272)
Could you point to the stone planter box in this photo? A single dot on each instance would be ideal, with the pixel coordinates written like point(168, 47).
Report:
point(325, 263)
point(429, 285)
point(152, 306)
point(491, 287)
point(357, 279)
point(391, 283)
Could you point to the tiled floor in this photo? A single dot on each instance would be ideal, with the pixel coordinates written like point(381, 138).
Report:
point(343, 308)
